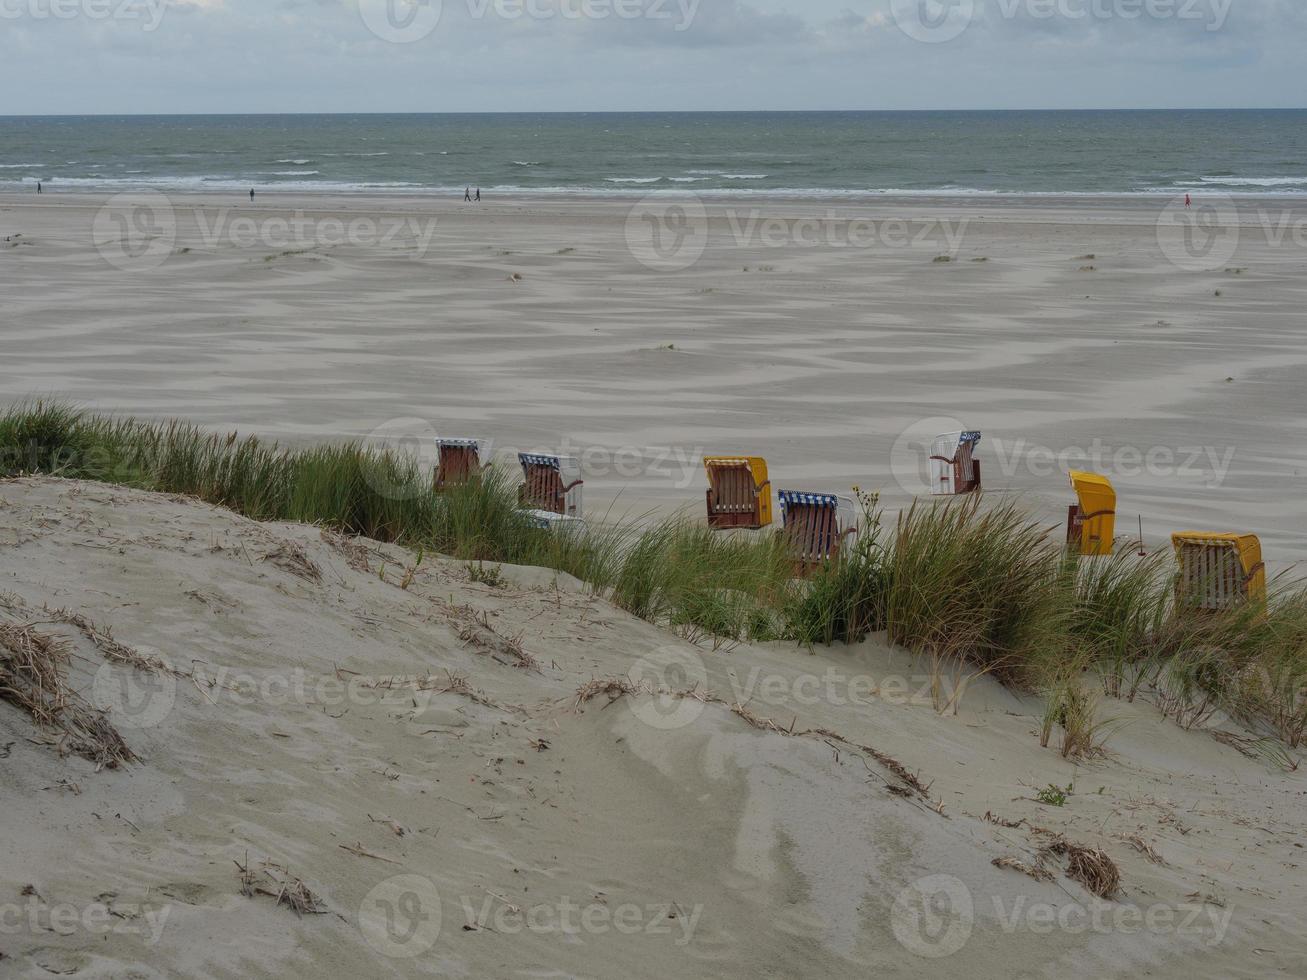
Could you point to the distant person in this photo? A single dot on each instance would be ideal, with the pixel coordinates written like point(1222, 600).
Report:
point(478, 193)
point(467, 194)
point(251, 195)
point(1188, 201)
point(38, 187)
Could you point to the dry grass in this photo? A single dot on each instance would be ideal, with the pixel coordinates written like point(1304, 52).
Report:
point(475, 630)
point(1090, 866)
point(34, 677)
point(291, 557)
point(356, 554)
point(1013, 864)
point(277, 882)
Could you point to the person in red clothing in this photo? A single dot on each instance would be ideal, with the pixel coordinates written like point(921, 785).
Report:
point(1188, 201)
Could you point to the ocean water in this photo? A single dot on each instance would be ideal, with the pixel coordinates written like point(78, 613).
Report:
point(835, 154)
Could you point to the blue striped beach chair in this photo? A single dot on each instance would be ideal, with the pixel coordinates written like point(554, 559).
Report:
point(816, 525)
point(553, 484)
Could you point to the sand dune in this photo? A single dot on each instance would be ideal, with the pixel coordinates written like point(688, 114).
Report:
point(420, 760)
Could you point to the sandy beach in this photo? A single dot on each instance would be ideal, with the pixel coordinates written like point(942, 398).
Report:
point(350, 760)
point(824, 336)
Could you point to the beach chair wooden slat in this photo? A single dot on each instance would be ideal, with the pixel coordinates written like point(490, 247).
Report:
point(816, 525)
point(739, 492)
point(1218, 571)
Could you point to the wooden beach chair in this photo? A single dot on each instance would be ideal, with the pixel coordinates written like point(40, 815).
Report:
point(1091, 522)
point(739, 492)
point(816, 525)
point(1218, 571)
point(553, 484)
point(459, 462)
point(954, 468)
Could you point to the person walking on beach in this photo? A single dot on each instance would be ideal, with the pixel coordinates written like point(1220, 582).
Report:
point(1188, 201)
point(467, 194)
point(251, 195)
point(478, 194)
point(38, 187)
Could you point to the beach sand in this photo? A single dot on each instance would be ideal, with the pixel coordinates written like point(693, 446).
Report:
point(420, 758)
point(836, 349)
point(499, 828)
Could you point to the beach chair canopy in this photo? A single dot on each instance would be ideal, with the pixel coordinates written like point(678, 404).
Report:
point(954, 468)
point(1091, 524)
point(459, 461)
point(816, 525)
point(553, 484)
point(1219, 571)
point(739, 491)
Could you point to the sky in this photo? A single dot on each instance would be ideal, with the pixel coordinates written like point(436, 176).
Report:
point(193, 56)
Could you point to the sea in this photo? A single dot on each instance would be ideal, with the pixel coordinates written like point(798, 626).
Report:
point(799, 154)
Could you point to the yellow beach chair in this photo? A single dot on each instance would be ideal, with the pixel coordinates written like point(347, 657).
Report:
point(1218, 571)
point(1091, 522)
point(739, 492)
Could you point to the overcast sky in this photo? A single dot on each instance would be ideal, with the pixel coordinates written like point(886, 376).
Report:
point(123, 56)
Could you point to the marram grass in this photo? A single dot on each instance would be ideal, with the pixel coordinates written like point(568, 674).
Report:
point(967, 580)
